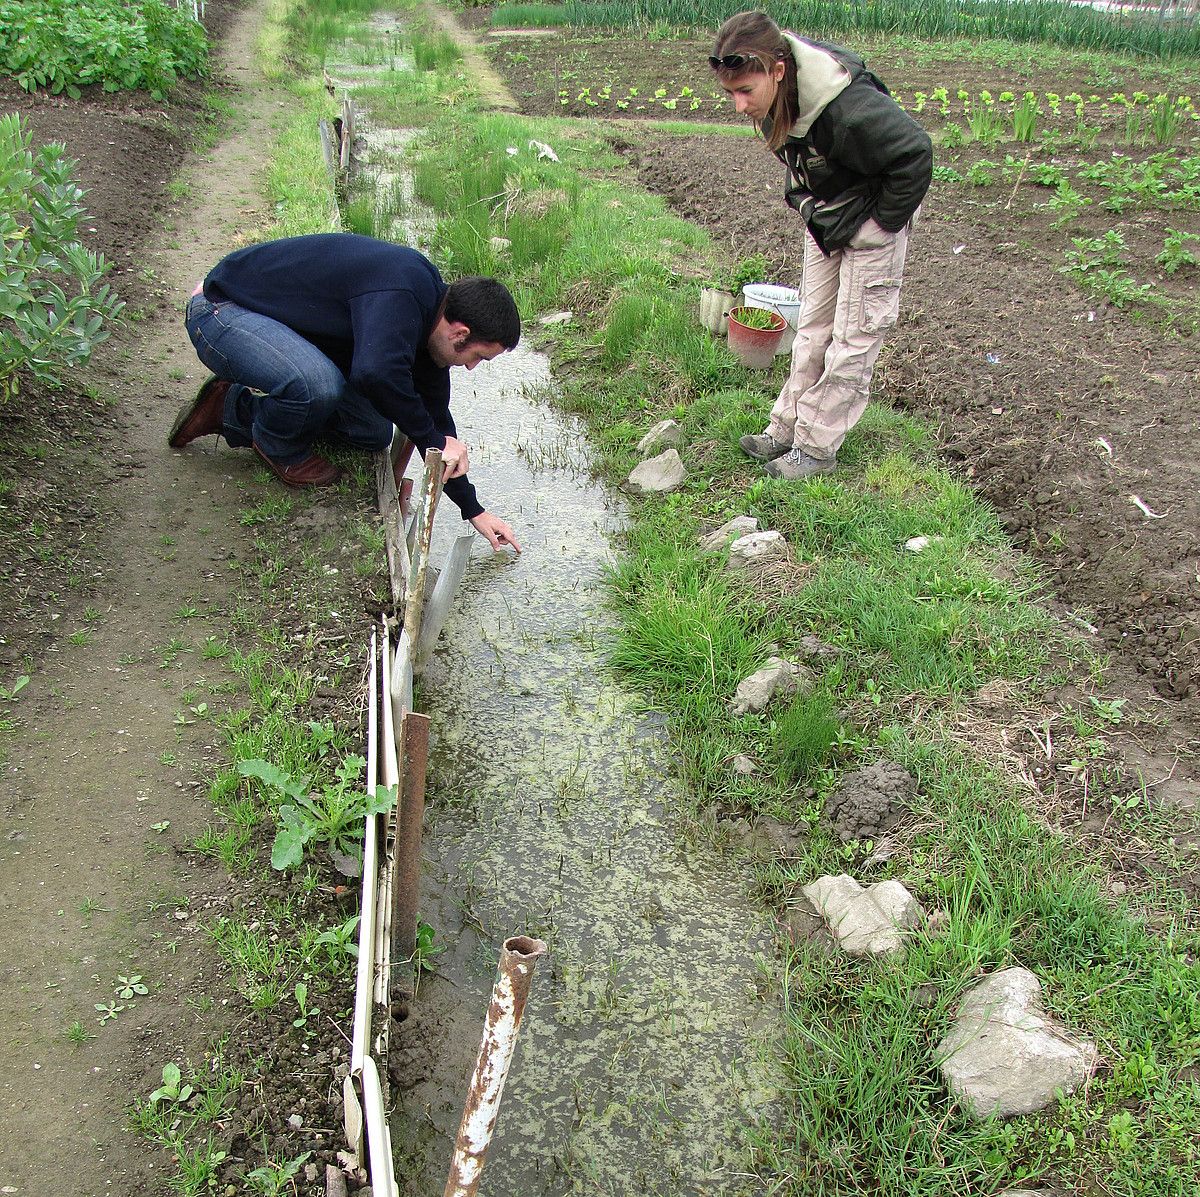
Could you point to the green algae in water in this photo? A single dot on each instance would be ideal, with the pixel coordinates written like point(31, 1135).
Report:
point(550, 816)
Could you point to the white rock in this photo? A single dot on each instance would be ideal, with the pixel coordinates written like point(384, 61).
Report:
point(556, 318)
point(900, 907)
point(1004, 1055)
point(734, 529)
point(744, 765)
point(917, 544)
point(658, 475)
point(500, 245)
point(756, 548)
point(664, 433)
point(775, 679)
point(865, 922)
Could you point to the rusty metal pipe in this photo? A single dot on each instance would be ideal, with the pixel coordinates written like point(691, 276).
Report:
point(406, 848)
point(518, 958)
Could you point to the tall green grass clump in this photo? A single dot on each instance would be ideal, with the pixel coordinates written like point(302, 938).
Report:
point(312, 26)
point(435, 51)
point(806, 733)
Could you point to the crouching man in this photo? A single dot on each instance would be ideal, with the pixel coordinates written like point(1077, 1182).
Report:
point(343, 336)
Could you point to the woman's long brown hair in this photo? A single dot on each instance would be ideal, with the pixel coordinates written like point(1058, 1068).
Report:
point(761, 40)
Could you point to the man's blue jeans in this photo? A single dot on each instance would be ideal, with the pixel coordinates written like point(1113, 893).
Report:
point(286, 392)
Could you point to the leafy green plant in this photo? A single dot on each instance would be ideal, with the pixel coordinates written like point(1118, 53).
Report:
point(10, 695)
point(752, 269)
point(62, 46)
point(426, 949)
point(127, 988)
point(1175, 255)
point(53, 306)
point(306, 1011)
point(981, 173)
point(333, 815)
point(1098, 265)
point(341, 942)
point(1067, 202)
point(172, 1091)
point(108, 1011)
point(271, 1179)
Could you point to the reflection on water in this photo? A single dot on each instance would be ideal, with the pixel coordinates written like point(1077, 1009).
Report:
point(549, 797)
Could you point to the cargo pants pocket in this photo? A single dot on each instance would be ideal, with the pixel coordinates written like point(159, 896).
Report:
point(881, 304)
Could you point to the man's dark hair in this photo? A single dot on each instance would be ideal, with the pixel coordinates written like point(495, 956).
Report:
point(485, 306)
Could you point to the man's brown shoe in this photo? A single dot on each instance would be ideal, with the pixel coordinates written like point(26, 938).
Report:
point(203, 416)
point(312, 471)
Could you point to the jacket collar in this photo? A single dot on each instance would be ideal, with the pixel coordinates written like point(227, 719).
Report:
point(820, 79)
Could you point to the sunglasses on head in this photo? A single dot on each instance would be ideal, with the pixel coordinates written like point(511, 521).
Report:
point(731, 62)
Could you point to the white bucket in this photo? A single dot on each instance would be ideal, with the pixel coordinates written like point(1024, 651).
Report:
point(784, 300)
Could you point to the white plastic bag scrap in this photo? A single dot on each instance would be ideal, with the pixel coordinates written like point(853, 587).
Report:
point(543, 150)
point(512, 151)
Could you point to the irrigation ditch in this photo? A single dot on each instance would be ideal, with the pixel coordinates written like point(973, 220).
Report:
point(552, 815)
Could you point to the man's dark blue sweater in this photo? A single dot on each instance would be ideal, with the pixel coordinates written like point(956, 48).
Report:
point(369, 306)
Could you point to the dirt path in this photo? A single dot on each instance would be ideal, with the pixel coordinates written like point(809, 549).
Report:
point(100, 809)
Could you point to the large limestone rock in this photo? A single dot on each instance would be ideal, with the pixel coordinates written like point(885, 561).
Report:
point(734, 529)
point(658, 475)
point(758, 548)
point(1005, 1055)
point(776, 679)
point(664, 434)
point(865, 922)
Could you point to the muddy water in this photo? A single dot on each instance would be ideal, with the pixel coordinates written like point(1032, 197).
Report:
point(550, 816)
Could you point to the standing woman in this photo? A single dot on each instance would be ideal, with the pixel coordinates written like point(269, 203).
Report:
point(857, 169)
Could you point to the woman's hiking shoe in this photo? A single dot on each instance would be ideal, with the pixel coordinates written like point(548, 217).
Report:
point(312, 471)
point(203, 416)
point(796, 464)
point(763, 446)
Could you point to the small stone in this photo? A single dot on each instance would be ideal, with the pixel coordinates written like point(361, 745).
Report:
point(777, 678)
point(757, 548)
point(556, 318)
point(500, 245)
point(734, 529)
point(744, 765)
point(295, 1121)
point(662, 435)
point(865, 922)
point(1118, 888)
point(658, 475)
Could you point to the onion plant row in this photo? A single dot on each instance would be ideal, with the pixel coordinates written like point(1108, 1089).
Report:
point(1050, 21)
